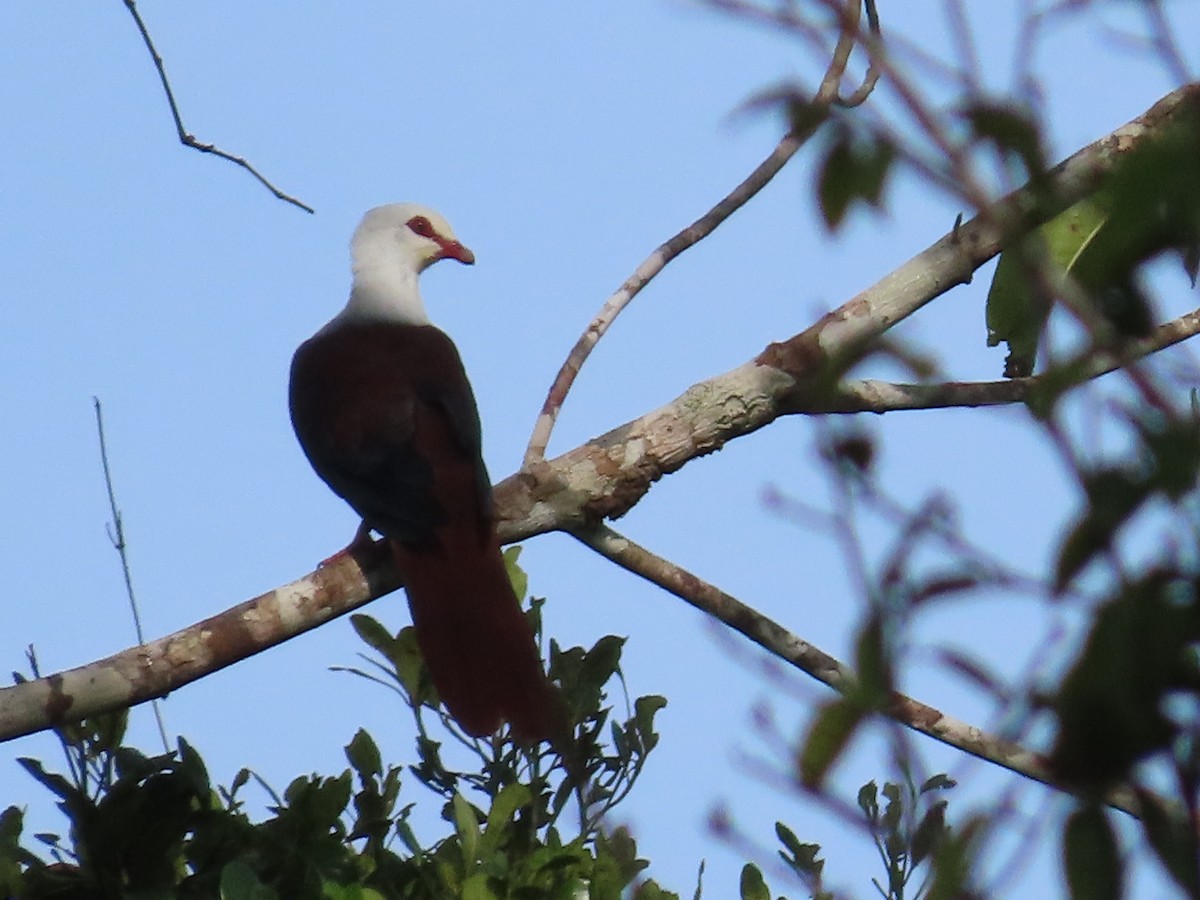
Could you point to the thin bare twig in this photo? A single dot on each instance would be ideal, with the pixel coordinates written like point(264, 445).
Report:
point(643, 275)
point(826, 96)
point(117, 536)
point(187, 138)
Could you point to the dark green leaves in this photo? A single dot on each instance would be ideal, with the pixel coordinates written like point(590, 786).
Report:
point(1092, 860)
point(1166, 464)
point(1111, 704)
point(1011, 129)
point(828, 735)
point(854, 170)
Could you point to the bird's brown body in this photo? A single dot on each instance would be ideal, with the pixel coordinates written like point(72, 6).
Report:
point(385, 414)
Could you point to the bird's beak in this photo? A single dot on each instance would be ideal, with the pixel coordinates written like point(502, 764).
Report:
point(455, 250)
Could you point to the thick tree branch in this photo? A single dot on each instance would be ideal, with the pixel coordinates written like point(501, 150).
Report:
point(157, 668)
point(606, 476)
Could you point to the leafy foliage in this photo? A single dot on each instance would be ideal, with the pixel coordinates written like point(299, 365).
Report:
point(855, 169)
point(152, 827)
point(909, 830)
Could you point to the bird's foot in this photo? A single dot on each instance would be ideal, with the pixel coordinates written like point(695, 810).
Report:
point(361, 543)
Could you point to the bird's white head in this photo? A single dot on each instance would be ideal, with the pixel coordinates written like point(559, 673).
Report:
point(392, 246)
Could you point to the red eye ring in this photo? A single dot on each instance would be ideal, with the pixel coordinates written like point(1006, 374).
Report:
point(421, 226)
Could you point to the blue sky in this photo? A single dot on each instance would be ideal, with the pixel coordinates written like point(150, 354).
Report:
point(564, 142)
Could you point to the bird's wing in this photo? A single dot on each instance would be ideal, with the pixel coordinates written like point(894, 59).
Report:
point(387, 418)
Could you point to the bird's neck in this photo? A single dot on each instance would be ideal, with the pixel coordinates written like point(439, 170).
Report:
point(382, 293)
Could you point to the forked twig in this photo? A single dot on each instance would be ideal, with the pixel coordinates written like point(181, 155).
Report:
point(187, 138)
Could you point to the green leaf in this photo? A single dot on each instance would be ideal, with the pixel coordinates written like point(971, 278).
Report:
point(364, 757)
point(1013, 129)
point(1155, 202)
point(1094, 869)
point(828, 735)
point(601, 661)
point(930, 832)
point(855, 169)
point(410, 668)
point(894, 810)
point(1113, 495)
point(644, 711)
point(53, 782)
point(238, 882)
point(868, 801)
point(940, 782)
point(953, 861)
point(373, 634)
point(467, 826)
point(518, 576)
point(1175, 464)
point(1110, 704)
point(800, 857)
point(191, 766)
point(476, 888)
point(511, 798)
point(1017, 309)
point(872, 665)
point(649, 890)
point(753, 887)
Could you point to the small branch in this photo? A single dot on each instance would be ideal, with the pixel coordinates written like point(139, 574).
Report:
point(883, 396)
point(185, 137)
point(117, 535)
point(643, 275)
point(826, 96)
point(780, 642)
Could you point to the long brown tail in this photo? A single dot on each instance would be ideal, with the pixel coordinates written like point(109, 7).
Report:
point(479, 649)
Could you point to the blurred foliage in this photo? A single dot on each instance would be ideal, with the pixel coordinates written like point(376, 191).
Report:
point(1148, 205)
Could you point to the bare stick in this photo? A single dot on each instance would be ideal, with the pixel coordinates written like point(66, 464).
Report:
point(826, 95)
point(117, 536)
point(185, 137)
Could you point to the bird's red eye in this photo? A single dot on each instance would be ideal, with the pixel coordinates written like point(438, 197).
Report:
point(420, 225)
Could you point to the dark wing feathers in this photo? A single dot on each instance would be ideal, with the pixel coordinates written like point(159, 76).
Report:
point(364, 398)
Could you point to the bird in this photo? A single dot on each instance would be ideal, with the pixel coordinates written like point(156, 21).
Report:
point(384, 412)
